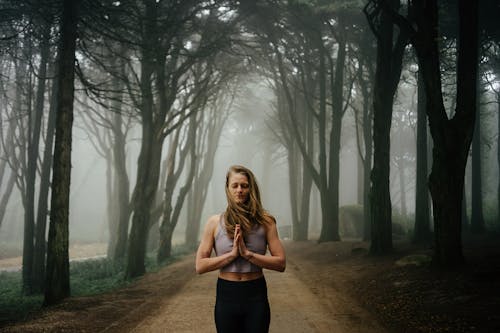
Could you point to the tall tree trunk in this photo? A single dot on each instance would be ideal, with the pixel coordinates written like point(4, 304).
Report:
point(451, 137)
point(43, 196)
point(171, 214)
point(9, 148)
point(336, 93)
point(148, 167)
point(465, 219)
point(367, 226)
point(111, 203)
point(6, 195)
point(33, 152)
point(121, 176)
point(422, 230)
point(498, 155)
point(293, 182)
point(360, 171)
point(367, 161)
point(389, 64)
point(477, 220)
point(307, 182)
point(148, 173)
point(57, 279)
point(23, 143)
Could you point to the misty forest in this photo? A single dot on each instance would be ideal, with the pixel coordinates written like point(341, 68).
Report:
point(372, 127)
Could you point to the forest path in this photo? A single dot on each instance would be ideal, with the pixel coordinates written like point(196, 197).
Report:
point(295, 307)
point(312, 295)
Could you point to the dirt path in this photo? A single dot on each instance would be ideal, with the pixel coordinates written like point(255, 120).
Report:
point(176, 299)
point(294, 308)
point(327, 287)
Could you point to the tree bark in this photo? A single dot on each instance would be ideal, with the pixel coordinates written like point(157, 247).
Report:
point(293, 182)
point(145, 190)
point(451, 137)
point(6, 195)
point(389, 64)
point(122, 184)
point(19, 167)
point(148, 170)
point(498, 156)
point(307, 182)
point(33, 152)
point(57, 278)
point(9, 149)
point(111, 205)
point(367, 140)
point(422, 229)
point(43, 196)
point(337, 113)
point(171, 214)
point(477, 219)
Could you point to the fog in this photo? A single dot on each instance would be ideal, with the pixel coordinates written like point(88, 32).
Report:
point(246, 140)
point(280, 100)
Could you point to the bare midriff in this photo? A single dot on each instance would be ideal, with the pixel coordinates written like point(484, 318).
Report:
point(235, 276)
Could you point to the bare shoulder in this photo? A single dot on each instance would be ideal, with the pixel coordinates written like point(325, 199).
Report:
point(213, 220)
point(269, 219)
point(270, 222)
point(212, 223)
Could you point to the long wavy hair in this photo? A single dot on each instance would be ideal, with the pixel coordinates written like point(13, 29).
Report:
point(250, 212)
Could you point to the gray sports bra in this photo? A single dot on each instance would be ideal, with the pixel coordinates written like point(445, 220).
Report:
point(255, 241)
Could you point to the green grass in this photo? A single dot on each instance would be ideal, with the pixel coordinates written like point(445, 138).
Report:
point(88, 277)
point(96, 276)
point(14, 306)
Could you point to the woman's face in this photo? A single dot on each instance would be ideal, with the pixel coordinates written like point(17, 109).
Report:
point(239, 188)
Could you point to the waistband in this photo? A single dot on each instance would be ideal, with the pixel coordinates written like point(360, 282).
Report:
point(242, 291)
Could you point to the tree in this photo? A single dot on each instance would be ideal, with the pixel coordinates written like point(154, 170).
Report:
point(364, 119)
point(165, 68)
point(388, 71)
point(300, 179)
point(477, 219)
point(422, 229)
point(451, 136)
point(206, 145)
point(8, 149)
point(42, 212)
point(57, 279)
point(33, 151)
point(319, 51)
point(110, 63)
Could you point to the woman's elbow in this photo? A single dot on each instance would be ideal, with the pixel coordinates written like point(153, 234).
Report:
point(199, 268)
point(282, 265)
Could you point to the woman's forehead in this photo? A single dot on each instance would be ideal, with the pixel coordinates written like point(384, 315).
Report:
point(237, 177)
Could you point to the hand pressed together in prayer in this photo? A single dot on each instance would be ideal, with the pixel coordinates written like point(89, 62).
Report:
point(239, 240)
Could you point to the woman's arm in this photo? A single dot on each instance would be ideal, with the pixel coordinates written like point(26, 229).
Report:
point(205, 263)
point(276, 261)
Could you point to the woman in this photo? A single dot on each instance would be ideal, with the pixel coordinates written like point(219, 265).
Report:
point(241, 237)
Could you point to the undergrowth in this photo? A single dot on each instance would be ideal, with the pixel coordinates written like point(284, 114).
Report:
point(89, 277)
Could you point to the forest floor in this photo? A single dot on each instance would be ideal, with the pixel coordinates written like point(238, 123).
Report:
point(327, 287)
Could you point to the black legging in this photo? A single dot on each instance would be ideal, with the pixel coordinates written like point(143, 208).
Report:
point(242, 306)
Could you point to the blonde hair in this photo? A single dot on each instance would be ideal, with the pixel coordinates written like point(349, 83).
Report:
point(250, 212)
